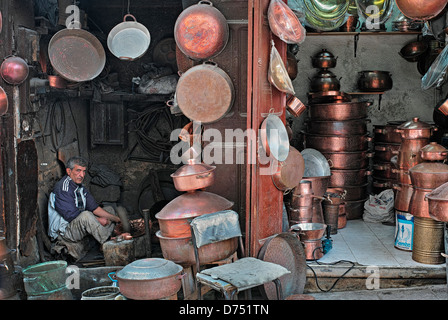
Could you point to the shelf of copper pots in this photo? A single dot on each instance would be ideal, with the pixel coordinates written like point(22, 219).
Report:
point(438, 203)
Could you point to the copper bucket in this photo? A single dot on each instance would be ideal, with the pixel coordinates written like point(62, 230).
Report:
point(428, 242)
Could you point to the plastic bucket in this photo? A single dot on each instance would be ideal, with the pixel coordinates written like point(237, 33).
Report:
point(404, 231)
point(44, 278)
point(101, 293)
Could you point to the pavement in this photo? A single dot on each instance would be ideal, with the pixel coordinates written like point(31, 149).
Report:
point(428, 292)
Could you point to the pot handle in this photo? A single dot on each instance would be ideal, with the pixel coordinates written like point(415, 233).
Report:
point(380, 148)
point(368, 138)
point(330, 163)
point(368, 173)
point(396, 187)
point(127, 16)
point(205, 2)
point(381, 184)
point(380, 167)
point(181, 276)
point(370, 154)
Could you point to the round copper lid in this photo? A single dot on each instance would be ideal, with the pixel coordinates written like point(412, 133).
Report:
point(429, 167)
point(149, 269)
point(192, 169)
point(440, 193)
point(193, 204)
point(413, 124)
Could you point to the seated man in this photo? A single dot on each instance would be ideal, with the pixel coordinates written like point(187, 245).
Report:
point(74, 214)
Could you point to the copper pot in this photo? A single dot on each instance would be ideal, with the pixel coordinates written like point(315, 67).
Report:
point(421, 9)
point(339, 111)
point(201, 31)
point(418, 205)
point(193, 176)
point(337, 143)
point(174, 218)
point(344, 127)
point(14, 70)
point(295, 106)
point(409, 153)
point(415, 129)
point(324, 80)
point(289, 172)
point(319, 184)
point(384, 170)
point(349, 177)
point(379, 184)
point(433, 152)
point(375, 81)
point(384, 152)
point(180, 250)
point(438, 203)
point(309, 231)
point(300, 214)
point(429, 175)
point(354, 209)
point(352, 193)
point(324, 60)
point(348, 160)
point(403, 196)
point(386, 133)
point(313, 249)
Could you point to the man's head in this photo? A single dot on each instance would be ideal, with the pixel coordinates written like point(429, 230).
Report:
point(76, 169)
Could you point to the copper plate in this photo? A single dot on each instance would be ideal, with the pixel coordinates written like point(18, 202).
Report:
point(286, 250)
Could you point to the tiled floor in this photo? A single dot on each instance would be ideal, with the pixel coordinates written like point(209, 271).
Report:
point(370, 244)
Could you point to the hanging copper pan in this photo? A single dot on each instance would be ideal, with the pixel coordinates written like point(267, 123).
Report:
point(3, 102)
point(205, 93)
point(14, 70)
point(415, 129)
point(289, 172)
point(76, 55)
point(201, 31)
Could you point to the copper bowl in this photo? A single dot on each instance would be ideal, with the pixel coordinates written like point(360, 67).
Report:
point(14, 70)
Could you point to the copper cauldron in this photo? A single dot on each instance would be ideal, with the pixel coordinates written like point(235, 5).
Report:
point(349, 177)
point(337, 143)
point(348, 160)
point(174, 218)
point(438, 203)
point(344, 127)
point(324, 80)
point(429, 175)
point(339, 111)
point(193, 176)
point(415, 129)
point(421, 9)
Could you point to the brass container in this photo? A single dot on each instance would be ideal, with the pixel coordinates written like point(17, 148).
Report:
point(428, 241)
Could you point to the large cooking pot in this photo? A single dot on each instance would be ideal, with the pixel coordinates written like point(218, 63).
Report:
point(193, 176)
point(174, 218)
point(289, 172)
point(3, 102)
point(348, 160)
point(384, 171)
point(429, 175)
point(337, 143)
point(180, 250)
point(344, 127)
point(415, 129)
point(438, 203)
point(349, 177)
point(150, 279)
point(386, 133)
point(14, 70)
point(274, 137)
point(421, 9)
point(324, 80)
point(339, 111)
point(324, 60)
point(409, 153)
point(76, 55)
point(318, 184)
point(375, 81)
point(205, 93)
point(201, 31)
point(351, 193)
point(385, 151)
point(129, 40)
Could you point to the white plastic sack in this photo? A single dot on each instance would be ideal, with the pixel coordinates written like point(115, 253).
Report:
point(380, 207)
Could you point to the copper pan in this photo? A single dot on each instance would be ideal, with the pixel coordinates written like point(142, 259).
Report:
point(193, 176)
point(337, 143)
point(349, 177)
point(339, 111)
point(348, 160)
point(3, 102)
point(289, 172)
point(295, 106)
point(415, 129)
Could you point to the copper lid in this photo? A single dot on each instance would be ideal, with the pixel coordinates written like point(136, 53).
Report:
point(149, 269)
point(430, 167)
point(192, 169)
point(439, 193)
point(413, 124)
point(193, 204)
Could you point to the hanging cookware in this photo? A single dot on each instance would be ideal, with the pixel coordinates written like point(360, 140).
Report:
point(324, 80)
point(205, 93)
point(201, 31)
point(375, 81)
point(284, 23)
point(174, 217)
point(150, 279)
point(421, 9)
point(14, 70)
point(193, 176)
point(295, 106)
point(438, 203)
point(291, 65)
point(289, 172)
point(433, 152)
point(355, 126)
point(415, 129)
point(339, 111)
point(324, 60)
point(413, 50)
point(129, 40)
point(274, 137)
point(3, 102)
point(76, 55)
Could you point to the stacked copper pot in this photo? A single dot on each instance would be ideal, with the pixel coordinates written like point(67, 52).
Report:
point(305, 206)
point(415, 134)
point(386, 146)
point(174, 219)
point(339, 131)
